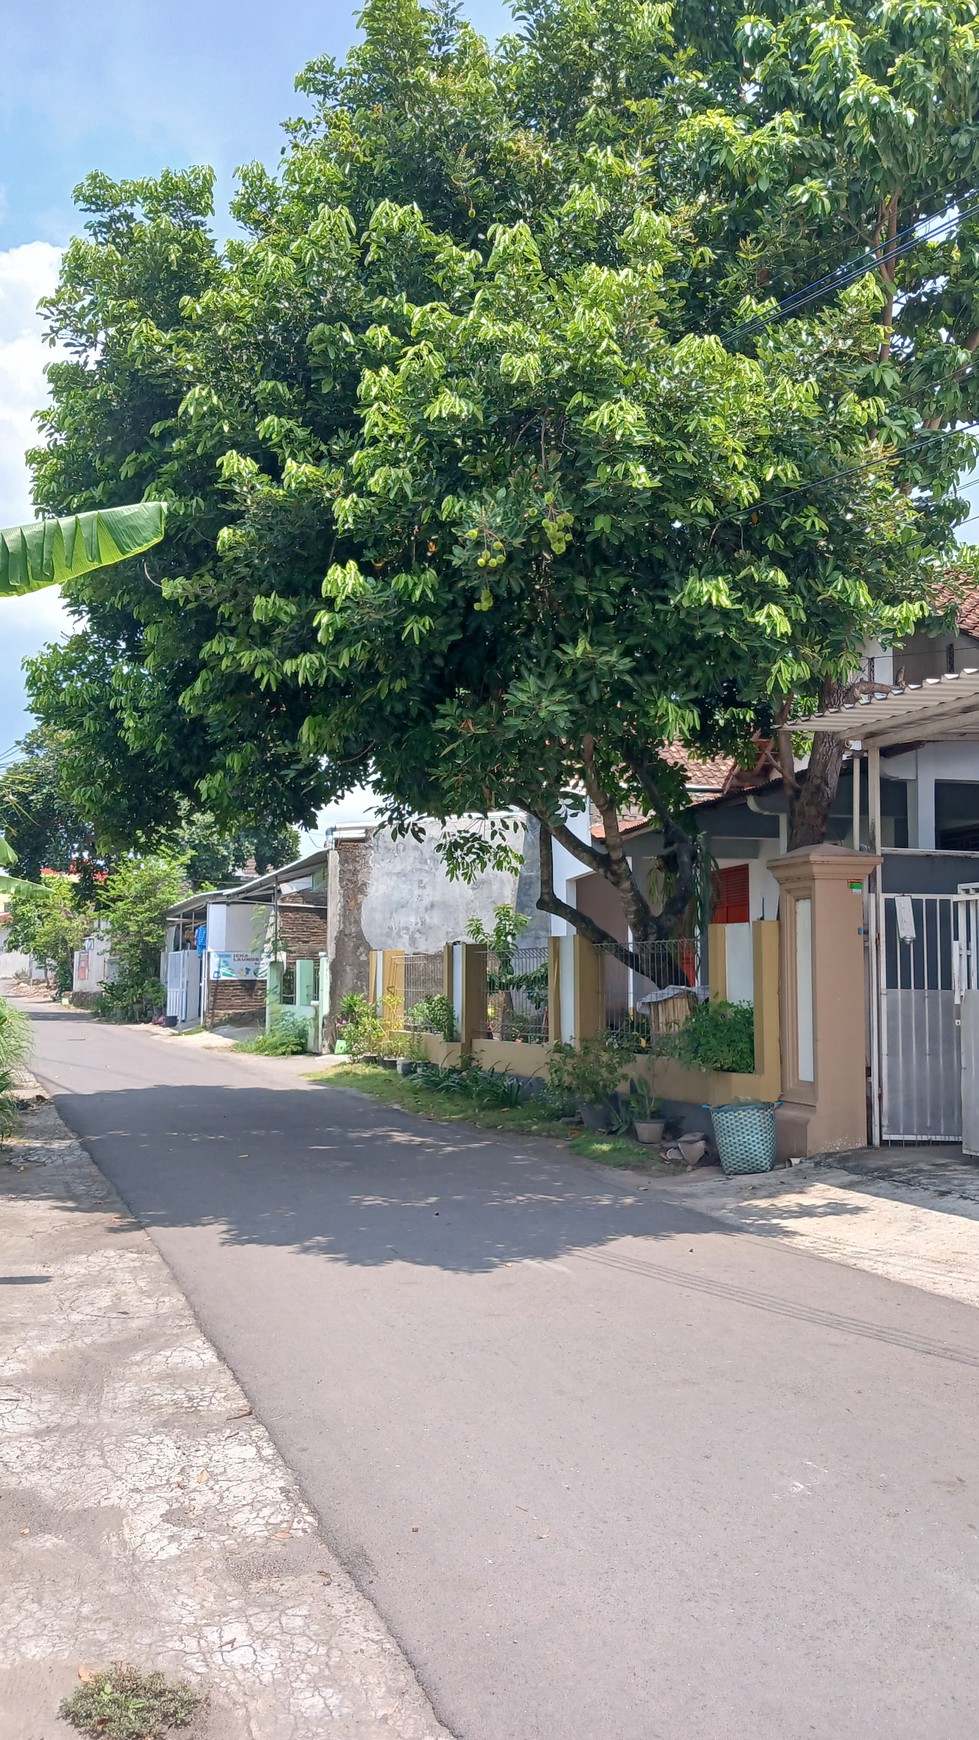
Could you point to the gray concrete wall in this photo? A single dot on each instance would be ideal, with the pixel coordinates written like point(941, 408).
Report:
point(346, 946)
point(411, 904)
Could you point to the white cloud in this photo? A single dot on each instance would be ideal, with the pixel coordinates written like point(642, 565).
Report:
point(26, 274)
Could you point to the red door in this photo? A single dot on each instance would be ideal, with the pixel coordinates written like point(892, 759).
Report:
point(731, 904)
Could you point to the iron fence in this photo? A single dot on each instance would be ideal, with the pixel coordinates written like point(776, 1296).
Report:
point(657, 997)
point(515, 993)
point(424, 982)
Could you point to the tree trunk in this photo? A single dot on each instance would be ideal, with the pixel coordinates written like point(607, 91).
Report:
point(810, 804)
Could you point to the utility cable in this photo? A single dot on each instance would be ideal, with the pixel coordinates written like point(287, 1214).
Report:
point(846, 275)
point(849, 471)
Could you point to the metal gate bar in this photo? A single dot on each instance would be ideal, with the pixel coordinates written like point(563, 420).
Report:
point(914, 956)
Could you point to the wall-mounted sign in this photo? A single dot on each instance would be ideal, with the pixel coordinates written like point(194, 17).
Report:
point(236, 965)
point(904, 913)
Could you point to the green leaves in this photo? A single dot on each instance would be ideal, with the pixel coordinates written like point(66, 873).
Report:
point(51, 551)
point(486, 353)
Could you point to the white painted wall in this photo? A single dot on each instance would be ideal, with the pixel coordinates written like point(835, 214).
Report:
point(739, 950)
point(236, 929)
point(91, 967)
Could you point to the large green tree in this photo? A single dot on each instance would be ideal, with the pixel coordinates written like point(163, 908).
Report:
point(493, 464)
point(46, 825)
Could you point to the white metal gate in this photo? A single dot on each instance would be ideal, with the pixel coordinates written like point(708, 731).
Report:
point(967, 994)
point(916, 1053)
point(183, 985)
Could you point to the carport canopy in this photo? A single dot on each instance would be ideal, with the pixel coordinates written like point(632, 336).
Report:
point(940, 709)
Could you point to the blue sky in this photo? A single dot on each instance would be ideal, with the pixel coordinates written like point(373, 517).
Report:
point(129, 88)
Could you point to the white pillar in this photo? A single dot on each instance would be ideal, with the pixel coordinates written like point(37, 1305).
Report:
point(873, 796)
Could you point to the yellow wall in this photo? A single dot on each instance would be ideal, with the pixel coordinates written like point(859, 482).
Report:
point(513, 1057)
point(439, 1050)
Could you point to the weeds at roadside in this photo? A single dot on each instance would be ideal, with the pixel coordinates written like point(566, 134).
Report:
point(120, 1703)
point(287, 1037)
point(529, 1117)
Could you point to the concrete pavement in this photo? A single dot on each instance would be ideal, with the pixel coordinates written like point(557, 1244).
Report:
point(606, 1466)
point(144, 1513)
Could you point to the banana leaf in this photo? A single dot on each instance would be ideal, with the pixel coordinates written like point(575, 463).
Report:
point(49, 551)
point(7, 855)
point(9, 885)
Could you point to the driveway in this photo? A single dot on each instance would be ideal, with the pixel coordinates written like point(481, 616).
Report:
point(606, 1466)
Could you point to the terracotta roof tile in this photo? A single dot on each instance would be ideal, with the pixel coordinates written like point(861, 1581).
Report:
point(962, 592)
point(710, 775)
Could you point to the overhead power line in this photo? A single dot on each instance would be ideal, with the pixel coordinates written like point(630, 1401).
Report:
point(846, 274)
point(759, 507)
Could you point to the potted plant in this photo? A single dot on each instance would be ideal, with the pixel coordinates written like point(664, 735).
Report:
point(588, 1076)
point(646, 1112)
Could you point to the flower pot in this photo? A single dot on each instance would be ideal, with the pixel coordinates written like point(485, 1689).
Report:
point(595, 1117)
point(389, 1063)
point(341, 1048)
point(649, 1130)
point(406, 1066)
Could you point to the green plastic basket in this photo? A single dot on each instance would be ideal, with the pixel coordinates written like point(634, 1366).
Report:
point(745, 1136)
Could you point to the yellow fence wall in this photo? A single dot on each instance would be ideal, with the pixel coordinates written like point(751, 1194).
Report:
point(512, 1056)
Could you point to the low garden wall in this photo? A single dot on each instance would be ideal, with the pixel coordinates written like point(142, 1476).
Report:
point(446, 1054)
point(512, 1056)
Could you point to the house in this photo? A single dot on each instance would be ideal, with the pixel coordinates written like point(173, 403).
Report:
point(909, 790)
point(222, 946)
point(302, 936)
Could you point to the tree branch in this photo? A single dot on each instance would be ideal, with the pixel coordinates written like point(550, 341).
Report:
point(642, 920)
point(586, 854)
point(550, 902)
point(678, 844)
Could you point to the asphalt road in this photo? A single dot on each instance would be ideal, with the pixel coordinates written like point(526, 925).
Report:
point(608, 1470)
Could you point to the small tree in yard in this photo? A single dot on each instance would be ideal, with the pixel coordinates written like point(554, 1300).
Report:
point(48, 923)
point(137, 895)
point(615, 380)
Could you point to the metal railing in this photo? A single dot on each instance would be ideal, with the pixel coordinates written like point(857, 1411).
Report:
point(424, 981)
point(641, 1005)
point(515, 994)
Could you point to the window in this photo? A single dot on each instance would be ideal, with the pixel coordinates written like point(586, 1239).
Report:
point(731, 905)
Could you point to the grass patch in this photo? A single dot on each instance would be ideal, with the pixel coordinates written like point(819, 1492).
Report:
point(409, 1095)
point(120, 1703)
point(620, 1151)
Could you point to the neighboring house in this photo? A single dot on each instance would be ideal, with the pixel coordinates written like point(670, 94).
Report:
point(12, 961)
point(929, 793)
point(309, 928)
point(220, 946)
point(94, 966)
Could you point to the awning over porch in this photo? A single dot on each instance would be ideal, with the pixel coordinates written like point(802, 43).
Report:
point(939, 710)
point(942, 708)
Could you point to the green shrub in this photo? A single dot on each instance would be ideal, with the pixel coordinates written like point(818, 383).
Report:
point(122, 1704)
point(588, 1075)
point(485, 1087)
point(717, 1036)
point(434, 1015)
point(287, 1037)
point(15, 1049)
